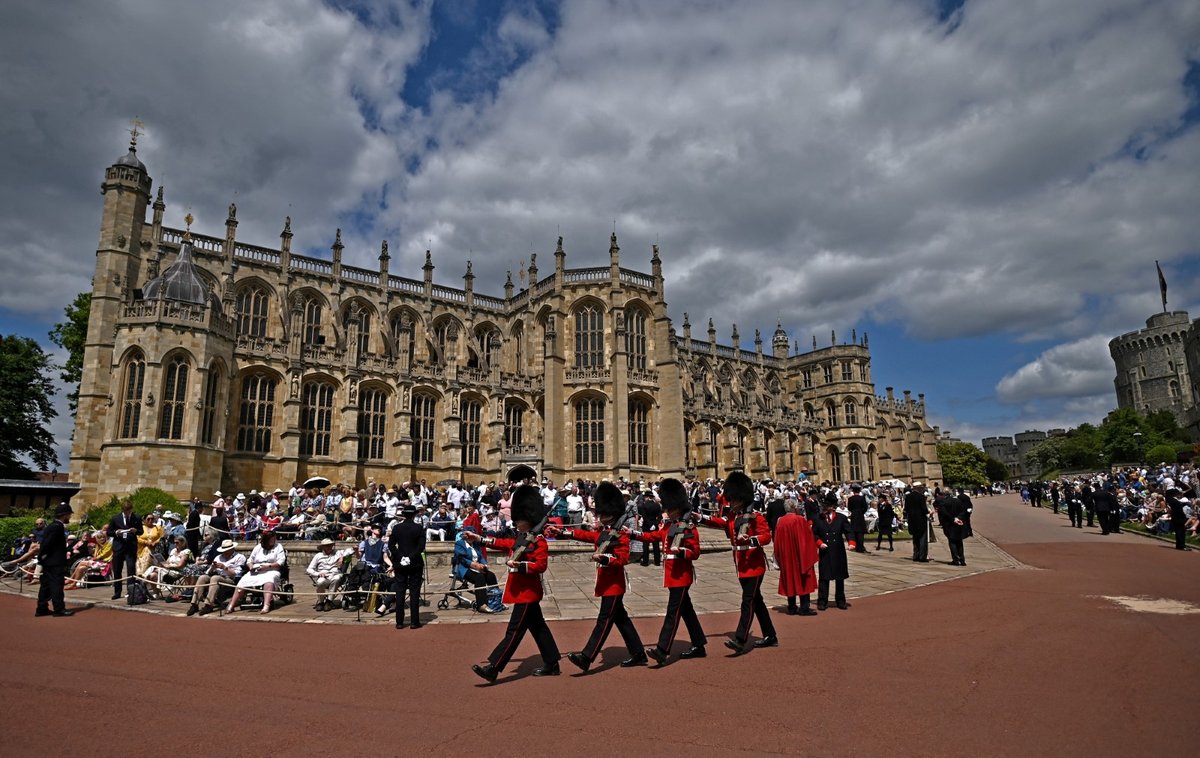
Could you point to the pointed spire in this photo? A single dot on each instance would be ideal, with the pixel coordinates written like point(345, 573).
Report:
point(853, 336)
point(832, 337)
point(814, 342)
point(735, 336)
point(337, 242)
point(866, 342)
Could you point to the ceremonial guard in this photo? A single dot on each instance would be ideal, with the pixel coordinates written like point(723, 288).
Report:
point(748, 533)
point(611, 556)
point(857, 505)
point(523, 587)
point(680, 547)
point(832, 531)
point(797, 555)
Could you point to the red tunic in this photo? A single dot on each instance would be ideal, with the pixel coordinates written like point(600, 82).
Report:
point(677, 565)
point(610, 575)
point(749, 559)
point(524, 583)
point(797, 554)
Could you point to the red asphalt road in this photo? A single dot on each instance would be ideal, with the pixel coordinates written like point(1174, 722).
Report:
point(1016, 662)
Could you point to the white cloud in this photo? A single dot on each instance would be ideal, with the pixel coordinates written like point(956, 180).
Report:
point(1072, 370)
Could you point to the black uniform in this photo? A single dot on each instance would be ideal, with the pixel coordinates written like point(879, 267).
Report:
point(1054, 496)
point(651, 514)
point(887, 514)
point(857, 505)
point(1089, 503)
point(1178, 519)
point(832, 530)
point(125, 547)
point(52, 555)
point(917, 515)
point(1105, 503)
point(407, 541)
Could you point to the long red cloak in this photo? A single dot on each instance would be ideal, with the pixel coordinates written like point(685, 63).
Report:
point(797, 555)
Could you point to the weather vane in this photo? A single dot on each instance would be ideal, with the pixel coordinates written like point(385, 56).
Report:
point(137, 131)
point(187, 233)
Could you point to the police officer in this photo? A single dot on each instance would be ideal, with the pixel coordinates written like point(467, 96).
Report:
point(52, 555)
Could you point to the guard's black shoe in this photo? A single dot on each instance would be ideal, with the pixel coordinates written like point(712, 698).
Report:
point(41, 613)
point(843, 605)
point(737, 647)
point(637, 660)
point(580, 660)
point(551, 670)
point(488, 672)
point(771, 641)
point(807, 612)
point(822, 606)
point(63, 613)
point(694, 652)
point(659, 656)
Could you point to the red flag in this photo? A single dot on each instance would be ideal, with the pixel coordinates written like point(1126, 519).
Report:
point(1162, 285)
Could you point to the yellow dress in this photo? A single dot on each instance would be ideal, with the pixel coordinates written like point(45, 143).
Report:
point(146, 542)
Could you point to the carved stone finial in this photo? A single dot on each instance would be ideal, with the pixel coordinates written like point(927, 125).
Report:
point(508, 282)
point(337, 239)
point(287, 227)
point(383, 251)
point(428, 259)
point(232, 212)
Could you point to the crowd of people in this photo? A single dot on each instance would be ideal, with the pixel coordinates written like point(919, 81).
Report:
point(1160, 499)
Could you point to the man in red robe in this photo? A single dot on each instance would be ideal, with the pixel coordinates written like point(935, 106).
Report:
point(797, 555)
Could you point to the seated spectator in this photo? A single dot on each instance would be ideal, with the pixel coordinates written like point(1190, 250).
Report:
point(224, 570)
point(325, 570)
point(98, 561)
point(170, 569)
point(371, 550)
point(252, 525)
point(441, 524)
point(470, 566)
point(263, 571)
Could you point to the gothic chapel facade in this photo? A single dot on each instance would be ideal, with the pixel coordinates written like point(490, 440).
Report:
point(216, 364)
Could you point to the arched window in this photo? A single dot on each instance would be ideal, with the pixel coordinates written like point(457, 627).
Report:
point(741, 447)
point(469, 432)
point(519, 349)
point(131, 395)
point(635, 338)
point(871, 463)
point(806, 378)
point(208, 412)
point(810, 413)
point(1173, 389)
point(639, 433)
point(357, 324)
point(252, 311)
point(854, 459)
point(311, 309)
point(847, 371)
point(827, 372)
point(835, 464)
point(445, 336)
point(174, 399)
point(867, 413)
point(850, 408)
point(589, 431)
point(831, 414)
point(589, 337)
point(713, 438)
point(372, 424)
point(402, 335)
point(863, 373)
point(316, 418)
point(514, 425)
point(422, 427)
point(489, 348)
point(257, 414)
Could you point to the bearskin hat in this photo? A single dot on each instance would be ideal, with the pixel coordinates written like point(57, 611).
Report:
point(521, 473)
point(608, 500)
point(738, 488)
point(673, 496)
point(527, 504)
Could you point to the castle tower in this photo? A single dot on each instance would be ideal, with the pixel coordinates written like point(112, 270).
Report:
point(126, 190)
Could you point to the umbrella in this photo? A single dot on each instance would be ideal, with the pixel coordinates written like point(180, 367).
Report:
point(316, 483)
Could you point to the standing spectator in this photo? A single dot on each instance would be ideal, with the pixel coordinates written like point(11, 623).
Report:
point(857, 505)
point(831, 530)
point(916, 513)
point(650, 512)
point(884, 524)
point(192, 525)
point(124, 530)
point(52, 556)
point(797, 555)
point(1176, 503)
point(951, 514)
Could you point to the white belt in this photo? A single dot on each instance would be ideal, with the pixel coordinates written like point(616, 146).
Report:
point(742, 548)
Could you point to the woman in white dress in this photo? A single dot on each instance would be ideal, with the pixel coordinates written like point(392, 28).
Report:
point(262, 572)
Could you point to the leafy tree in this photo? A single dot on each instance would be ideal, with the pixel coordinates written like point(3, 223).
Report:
point(962, 463)
point(1127, 436)
point(71, 335)
point(995, 470)
point(1047, 455)
point(1161, 453)
point(25, 409)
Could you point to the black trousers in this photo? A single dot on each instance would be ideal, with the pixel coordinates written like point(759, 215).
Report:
point(860, 540)
point(410, 585)
point(51, 590)
point(1055, 501)
point(957, 554)
point(679, 607)
point(839, 591)
point(1104, 519)
point(805, 602)
point(123, 561)
point(1180, 535)
point(479, 579)
point(753, 606)
point(1075, 513)
point(647, 547)
point(1091, 514)
point(613, 613)
point(920, 540)
point(879, 539)
point(525, 617)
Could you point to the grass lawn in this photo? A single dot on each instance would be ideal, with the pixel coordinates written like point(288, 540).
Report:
point(1191, 541)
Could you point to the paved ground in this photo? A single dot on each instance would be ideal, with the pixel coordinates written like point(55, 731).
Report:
point(1032, 661)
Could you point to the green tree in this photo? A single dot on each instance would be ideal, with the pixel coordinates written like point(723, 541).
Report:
point(1162, 453)
point(1046, 456)
point(25, 409)
point(71, 335)
point(962, 463)
point(1127, 436)
point(995, 470)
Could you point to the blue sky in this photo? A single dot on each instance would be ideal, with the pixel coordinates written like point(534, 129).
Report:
point(982, 186)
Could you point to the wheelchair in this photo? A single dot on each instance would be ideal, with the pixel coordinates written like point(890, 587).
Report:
point(283, 595)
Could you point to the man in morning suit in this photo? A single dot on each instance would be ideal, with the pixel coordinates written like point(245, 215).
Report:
point(52, 556)
point(916, 513)
point(857, 505)
point(406, 548)
point(123, 532)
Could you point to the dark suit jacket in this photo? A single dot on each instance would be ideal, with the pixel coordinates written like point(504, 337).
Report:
point(407, 540)
point(123, 544)
point(914, 510)
point(950, 508)
point(833, 561)
point(775, 512)
point(857, 505)
point(52, 550)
